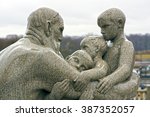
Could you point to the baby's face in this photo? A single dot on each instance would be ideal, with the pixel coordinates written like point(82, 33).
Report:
point(90, 49)
point(77, 63)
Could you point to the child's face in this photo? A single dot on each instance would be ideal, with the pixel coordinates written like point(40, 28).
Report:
point(77, 63)
point(90, 49)
point(109, 29)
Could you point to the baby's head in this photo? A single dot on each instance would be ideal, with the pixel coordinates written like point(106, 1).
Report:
point(80, 60)
point(94, 45)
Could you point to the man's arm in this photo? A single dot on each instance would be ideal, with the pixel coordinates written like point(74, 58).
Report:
point(56, 68)
point(49, 68)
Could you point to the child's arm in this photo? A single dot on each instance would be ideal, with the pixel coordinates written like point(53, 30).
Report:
point(125, 65)
point(123, 71)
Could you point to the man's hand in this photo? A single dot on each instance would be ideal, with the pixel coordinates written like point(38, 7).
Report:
point(60, 89)
point(105, 85)
point(87, 95)
point(81, 83)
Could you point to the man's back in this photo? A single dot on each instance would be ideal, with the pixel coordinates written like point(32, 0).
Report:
point(28, 71)
point(17, 62)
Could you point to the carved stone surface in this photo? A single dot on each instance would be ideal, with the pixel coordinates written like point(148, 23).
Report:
point(30, 67)
point(92, 47)
point(120, 83)
point(33, 67)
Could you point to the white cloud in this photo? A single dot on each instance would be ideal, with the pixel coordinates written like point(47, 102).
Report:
point(79, 15)
point(12, 29)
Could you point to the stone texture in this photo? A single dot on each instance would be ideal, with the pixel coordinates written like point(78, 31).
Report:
point(33, 67)
point(120, 83)
point(81, 60)
point(30, 67)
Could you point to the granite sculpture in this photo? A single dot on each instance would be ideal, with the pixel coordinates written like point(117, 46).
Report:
point(120, 58)
point(33, 67)
point(30, 67)
point(80, 60)
point(88, 61)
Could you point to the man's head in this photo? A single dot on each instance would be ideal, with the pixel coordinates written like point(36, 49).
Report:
point(112, 23)
point(94, 45)
point(80, 60)
point(49, 23)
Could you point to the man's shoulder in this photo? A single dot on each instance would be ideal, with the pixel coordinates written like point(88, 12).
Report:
point(24, 45)
point(25, 48)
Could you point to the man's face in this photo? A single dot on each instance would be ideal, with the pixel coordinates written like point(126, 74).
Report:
point(57, 33)
point(109, 29)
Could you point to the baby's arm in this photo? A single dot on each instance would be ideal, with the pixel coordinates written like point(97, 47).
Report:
point(100, 70)
point(93, 74)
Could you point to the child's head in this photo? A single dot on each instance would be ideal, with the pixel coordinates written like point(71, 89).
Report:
point(80, 60)
point(111, 22)
point(94, 45)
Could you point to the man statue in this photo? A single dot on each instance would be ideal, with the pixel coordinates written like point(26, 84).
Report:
point(30, 67)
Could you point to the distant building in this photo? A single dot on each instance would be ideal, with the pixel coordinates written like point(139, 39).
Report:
point(142, 55)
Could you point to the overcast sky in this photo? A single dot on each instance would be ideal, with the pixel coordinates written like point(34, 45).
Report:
point(80, 16)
